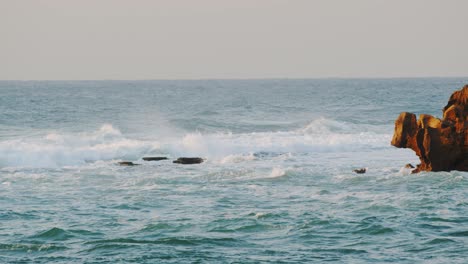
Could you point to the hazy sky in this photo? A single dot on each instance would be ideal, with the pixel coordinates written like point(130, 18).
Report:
point(193, 39)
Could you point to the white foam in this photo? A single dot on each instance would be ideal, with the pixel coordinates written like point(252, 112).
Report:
point(277, 172)
point(58, 150)
point(108, 143)
point(237, 158)
point(319, 136)
point(405, 171)
point(325, 126)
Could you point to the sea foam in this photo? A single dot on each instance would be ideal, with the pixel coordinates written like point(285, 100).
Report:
point(108, 143)
point(322, 135)
point(57, 150)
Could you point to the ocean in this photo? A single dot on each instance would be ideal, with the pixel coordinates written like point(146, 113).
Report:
point(277, 184)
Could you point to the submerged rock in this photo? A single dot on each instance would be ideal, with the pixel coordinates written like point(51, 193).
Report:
point(360, 171)
point(127, 163)
point(185, 160)
point(154, 158)
point(441, 144)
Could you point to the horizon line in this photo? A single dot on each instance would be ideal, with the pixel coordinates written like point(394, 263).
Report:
point(239, 79)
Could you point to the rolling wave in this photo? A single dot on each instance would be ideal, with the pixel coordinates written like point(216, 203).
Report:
point(108, 143)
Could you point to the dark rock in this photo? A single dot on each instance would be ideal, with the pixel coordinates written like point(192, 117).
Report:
point(154, 158)
point(127, 163)
point(185, 160)
point(360, 171)
point(409, 166)
point(441, 144)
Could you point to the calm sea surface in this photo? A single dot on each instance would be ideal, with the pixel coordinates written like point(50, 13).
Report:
point(277, 185)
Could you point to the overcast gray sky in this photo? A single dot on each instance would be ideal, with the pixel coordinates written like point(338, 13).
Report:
point(175, 39)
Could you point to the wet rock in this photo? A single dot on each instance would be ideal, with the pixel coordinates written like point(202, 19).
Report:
point(127, 163)
point(360, 171)
point(154, 158)
point(185, 160)
point(409, 166)
point(441, 144)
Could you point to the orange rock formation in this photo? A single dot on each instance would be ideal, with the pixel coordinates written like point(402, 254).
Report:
point(442, 145)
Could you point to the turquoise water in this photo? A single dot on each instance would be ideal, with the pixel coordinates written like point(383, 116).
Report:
point(277, 185)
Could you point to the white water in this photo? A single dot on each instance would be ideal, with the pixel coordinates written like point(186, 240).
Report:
point(279, 187)
point(108, 143)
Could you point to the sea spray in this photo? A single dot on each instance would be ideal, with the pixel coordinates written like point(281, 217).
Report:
point(277, 185)
point(57, 150)
point(108, 143)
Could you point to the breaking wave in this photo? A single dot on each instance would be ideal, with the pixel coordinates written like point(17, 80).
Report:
point(57, 150)
point(321, 135)
point(108, 143)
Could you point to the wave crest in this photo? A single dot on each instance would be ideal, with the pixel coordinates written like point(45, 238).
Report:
point(58, 150)
point(322, 135)
point(108, 143)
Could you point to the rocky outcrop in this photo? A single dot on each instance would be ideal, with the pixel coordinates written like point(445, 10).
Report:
point(360, 171)
point(188, 160)
point(154, 158)
point(127, 163)
point(441, 144)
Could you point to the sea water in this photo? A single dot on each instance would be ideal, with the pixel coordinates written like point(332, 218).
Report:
point(277, 184)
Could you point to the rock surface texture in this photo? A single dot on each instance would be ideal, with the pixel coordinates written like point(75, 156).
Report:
point(154, 158)
point(441, 144)
point(185, 160)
